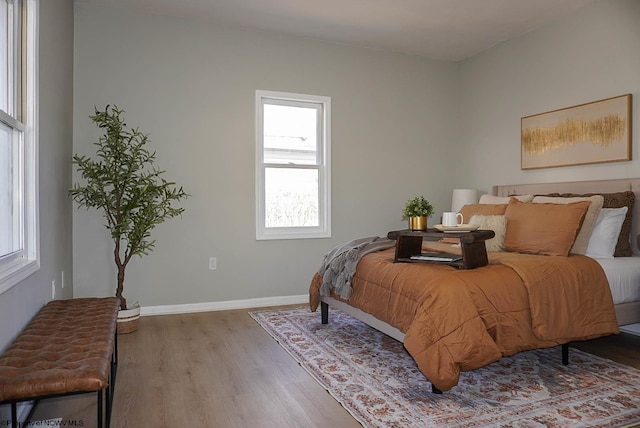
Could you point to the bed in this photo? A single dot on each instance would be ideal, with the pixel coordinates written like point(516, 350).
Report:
point(514, 305)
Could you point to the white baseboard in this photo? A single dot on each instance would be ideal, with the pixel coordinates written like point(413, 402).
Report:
point(223, 306)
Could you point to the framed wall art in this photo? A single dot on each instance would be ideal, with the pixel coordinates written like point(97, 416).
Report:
point(595, 132)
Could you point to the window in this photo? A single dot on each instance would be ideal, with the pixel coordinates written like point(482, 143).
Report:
point(292, 172)
point(18, 162)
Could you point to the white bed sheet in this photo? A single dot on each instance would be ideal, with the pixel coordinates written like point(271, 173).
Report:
point(623, 274)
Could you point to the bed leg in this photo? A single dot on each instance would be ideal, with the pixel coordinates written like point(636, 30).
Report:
point(565, 354)
point(324, 311)
point(435, 390)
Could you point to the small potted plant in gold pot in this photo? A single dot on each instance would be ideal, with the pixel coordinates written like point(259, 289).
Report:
point(417, 210)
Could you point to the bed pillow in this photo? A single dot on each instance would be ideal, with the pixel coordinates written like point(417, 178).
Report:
point(604, 238)
point(549, 229)
point(470, 210)
point(582, 240)
point(490, 199)
point(497, 223)
point(616, 200)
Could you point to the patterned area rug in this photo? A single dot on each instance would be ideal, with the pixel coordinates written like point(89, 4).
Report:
point(377, 381)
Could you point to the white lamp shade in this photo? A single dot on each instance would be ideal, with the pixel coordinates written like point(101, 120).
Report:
point(462, 197)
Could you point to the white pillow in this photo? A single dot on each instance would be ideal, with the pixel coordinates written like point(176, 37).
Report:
point(602, 244)
point(497, 223)
point(490, 199)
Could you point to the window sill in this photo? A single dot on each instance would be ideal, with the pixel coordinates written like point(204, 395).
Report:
point(13, 273)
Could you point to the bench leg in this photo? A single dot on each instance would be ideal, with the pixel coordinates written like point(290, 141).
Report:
point(114, 365)
point(14, 415)
point(114, 356)
point(111, 389)
point(100, 405)
point(109, 401)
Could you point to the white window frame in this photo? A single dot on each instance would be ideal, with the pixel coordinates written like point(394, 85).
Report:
point(323, 230)
point(22, 117)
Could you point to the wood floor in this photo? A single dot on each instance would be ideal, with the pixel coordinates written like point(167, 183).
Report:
point(221, 369)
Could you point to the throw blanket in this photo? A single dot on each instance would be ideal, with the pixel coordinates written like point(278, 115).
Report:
point(339, 264)
point(457, 320)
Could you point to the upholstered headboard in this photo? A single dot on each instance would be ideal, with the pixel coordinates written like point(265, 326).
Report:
point(593, 186)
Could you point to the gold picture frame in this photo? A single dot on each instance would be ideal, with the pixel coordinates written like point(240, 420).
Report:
point(595, 132)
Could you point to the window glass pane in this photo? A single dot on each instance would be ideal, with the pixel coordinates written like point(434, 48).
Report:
point(291, 197)
point(290, 135)
point(9, 218)
point(19, 255)
point(4, 56)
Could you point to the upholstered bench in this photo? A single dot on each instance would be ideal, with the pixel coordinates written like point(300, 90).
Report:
point(69, 347)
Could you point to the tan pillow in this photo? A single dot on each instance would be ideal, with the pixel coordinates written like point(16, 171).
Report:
point(470, 210)
point(582, 240)
point(490, 199)
point(549, 229)
point(497, 223)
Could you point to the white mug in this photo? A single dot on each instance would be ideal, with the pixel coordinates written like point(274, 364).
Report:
point(450, 219)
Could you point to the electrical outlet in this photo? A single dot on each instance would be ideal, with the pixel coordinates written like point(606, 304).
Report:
point(213, 263)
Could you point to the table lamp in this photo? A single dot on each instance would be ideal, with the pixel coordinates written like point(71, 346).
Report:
point(462, 197)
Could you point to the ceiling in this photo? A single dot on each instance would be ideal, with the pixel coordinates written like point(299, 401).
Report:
point(439, 29)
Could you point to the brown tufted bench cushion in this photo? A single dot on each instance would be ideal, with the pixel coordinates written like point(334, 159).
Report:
point(68, 347)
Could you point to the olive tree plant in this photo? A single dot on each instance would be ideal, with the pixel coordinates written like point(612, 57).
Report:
point(124, 184)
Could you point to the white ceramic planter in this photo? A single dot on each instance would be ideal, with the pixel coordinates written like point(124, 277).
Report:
point(128, 319)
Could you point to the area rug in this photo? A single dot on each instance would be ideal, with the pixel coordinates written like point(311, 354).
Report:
point(377, 381)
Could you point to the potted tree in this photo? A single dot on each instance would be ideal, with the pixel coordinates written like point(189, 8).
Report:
point(130, 191)
point(417, 210)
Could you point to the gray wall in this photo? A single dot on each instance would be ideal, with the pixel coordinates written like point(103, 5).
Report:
point(191, 85)
point(402, 126)
point(590, 55)
point(22, 301)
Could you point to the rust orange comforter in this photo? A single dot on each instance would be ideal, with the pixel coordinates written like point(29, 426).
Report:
point(457, 320)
